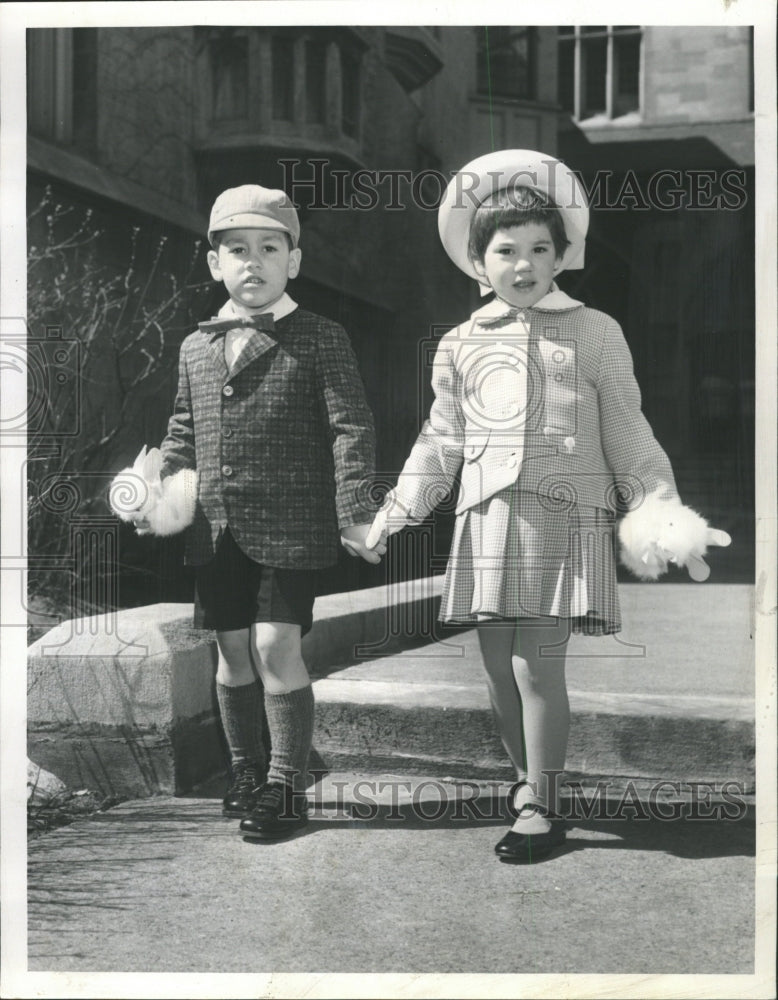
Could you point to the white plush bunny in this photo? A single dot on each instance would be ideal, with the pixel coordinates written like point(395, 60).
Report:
point(138, 496)
point(661, 531)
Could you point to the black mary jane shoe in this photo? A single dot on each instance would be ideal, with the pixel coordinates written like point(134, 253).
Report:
point(247, 779)
point(278, 811)
point(531, 847)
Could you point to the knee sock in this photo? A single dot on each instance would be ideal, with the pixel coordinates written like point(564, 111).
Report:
point(242, 718)
point(290, 721)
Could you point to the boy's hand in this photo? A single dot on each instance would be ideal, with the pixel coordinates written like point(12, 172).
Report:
point(353, 541)
point(392, 517)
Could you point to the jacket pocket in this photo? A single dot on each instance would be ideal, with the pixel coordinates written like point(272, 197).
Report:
point(561, 439)
point(475, 445)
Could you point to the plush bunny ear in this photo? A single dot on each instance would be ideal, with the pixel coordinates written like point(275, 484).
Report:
point(134, 489)
point(152, 465)
point(137, 465)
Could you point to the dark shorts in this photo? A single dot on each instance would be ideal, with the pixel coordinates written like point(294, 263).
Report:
point(232, 591)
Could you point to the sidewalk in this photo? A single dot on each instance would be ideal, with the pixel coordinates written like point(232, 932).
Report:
point(168, 885)
point(396, 872)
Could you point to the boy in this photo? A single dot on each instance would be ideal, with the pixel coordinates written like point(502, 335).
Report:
point(271, 413)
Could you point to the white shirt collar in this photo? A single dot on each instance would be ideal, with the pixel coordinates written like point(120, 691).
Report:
point(280, 308)
point(555, 300)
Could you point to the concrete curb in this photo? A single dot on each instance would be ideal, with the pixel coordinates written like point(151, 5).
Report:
point(671, 698)
point(429, 728)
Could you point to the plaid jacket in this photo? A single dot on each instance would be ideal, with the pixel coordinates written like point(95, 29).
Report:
point(282, 443)
point(547, 397)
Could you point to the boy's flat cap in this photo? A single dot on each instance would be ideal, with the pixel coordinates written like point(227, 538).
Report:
point(254, 207)
point(506, 169)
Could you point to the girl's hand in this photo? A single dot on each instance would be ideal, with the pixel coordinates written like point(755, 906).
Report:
point(662, 531)
point(390, 519)
point(353, 540)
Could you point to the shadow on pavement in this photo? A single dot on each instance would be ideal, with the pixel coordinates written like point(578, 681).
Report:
point(683, 837)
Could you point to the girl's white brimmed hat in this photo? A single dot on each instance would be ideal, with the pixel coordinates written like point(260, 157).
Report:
point(504, 170)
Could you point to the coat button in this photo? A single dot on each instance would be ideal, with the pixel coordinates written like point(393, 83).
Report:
point(228, 390)
point(559, 377)
point(558, 356)
point(226, 470)
point(226, 432)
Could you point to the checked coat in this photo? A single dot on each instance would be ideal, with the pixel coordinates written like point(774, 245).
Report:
point(545, 396)
point(282, 441)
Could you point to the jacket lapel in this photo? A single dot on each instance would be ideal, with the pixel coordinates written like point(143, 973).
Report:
point(259, 343)
point(215, 350)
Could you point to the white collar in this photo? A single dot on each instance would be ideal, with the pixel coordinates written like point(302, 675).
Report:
point(555, 300)
point(280, 308)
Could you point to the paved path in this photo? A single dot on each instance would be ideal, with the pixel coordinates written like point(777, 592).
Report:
point(167, 885)
point(397, 874)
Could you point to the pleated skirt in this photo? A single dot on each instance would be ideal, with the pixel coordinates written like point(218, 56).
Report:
point(523, 555)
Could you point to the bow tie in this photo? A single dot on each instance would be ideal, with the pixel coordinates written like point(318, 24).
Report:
point(492, 322)
point(260, 321)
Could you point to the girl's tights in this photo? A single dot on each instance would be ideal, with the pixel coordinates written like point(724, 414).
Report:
point(525, 670)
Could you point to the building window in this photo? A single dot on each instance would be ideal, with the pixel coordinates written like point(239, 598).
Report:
point(349, 92)
point(599, 70)
point(62, 85)
point(315, 81)
point(282, 57)
point(229, 57)
point(294, 81)
point(506, 62)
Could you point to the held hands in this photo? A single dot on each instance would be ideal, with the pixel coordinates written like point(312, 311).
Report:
point(369, 540)
point(353, 539)
point(390, 519)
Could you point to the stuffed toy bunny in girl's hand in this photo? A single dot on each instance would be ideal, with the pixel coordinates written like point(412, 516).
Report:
point(140, 497)
point(661, 531)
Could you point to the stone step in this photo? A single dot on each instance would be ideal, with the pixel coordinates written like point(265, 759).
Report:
point(672, 697)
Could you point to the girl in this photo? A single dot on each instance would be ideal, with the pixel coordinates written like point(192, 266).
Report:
point(537, 405)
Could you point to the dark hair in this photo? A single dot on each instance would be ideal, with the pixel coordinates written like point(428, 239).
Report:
point(519, 206)
point(216, 238)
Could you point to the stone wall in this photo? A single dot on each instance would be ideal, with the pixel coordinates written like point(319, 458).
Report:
point(695, 74)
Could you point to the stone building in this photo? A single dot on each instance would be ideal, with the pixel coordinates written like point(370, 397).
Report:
point(660, 124)
point(141, 127)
